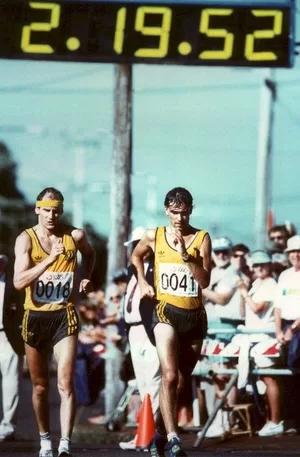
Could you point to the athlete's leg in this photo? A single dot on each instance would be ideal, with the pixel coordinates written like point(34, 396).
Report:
point(65, 354)
point(38, 369)
point(167, 349)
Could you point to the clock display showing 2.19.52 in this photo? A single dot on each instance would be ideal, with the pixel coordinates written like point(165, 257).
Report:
point(179, 33)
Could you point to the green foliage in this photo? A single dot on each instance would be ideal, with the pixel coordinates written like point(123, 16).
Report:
point(12, 203)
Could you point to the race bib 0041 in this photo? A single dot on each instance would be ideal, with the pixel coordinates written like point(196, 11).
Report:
point(176, 279)
point(53, 287)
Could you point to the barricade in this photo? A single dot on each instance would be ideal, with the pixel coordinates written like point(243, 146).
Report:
point(240, 349)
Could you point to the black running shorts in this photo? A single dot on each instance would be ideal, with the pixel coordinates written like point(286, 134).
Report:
point(44, 329)
point(188, 323)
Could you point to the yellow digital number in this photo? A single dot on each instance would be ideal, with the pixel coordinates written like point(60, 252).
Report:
point(163, 31)
point(120, 26)
point(250, 54)
point(26, 45)
point(227, 50)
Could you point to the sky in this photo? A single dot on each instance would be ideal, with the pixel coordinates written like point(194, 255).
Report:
point(195, 127)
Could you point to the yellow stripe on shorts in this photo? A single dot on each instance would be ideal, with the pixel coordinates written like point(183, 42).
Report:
point(161, 312)
point(72, 321)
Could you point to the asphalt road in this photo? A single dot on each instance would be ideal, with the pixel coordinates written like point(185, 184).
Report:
point(92, 441)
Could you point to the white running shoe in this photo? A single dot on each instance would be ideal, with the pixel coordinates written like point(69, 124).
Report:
point(129, 445)
point(48, 453)
point(270, 429)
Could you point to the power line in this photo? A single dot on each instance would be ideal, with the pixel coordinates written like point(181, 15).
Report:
point(39, 88)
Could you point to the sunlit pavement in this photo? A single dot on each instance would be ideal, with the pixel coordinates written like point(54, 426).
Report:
point(90, 441)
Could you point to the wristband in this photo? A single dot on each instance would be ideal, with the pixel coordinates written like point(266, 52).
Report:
point(185, 256)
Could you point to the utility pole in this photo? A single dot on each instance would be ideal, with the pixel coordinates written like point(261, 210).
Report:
point(264, 157)
point(120, 188)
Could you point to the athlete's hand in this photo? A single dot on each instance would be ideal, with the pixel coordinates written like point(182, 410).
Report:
point(146, 290)
point(86, 286)
point(179, 242)
point(56, 249)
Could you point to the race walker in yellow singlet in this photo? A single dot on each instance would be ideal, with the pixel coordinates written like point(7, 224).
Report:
point(54, 289)
point(174, 281)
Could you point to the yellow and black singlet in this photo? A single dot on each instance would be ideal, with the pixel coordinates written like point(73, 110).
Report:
point(174, 281)
point(54, 289)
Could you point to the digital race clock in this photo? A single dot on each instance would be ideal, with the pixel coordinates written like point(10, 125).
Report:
point(228, 32)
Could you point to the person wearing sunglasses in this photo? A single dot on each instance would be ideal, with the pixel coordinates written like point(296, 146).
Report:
point(258, 307)
point(278, 235)
point(223, 309)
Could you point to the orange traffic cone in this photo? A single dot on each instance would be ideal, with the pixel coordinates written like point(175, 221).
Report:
point(146, 426)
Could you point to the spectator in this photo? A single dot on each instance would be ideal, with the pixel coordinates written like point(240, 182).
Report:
point(138, 318)
point(223, 306)
point(278, 236)
point(287, 316)
point(11, 351)
point(222, 296)
point(239, 255)
point(89, 370)
point(259, 314)
point(114, 386)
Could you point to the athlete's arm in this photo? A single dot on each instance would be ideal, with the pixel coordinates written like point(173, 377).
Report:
point(144, 247)
point(216, 298)
point(24, 273)
point(88, 259)
point(201, 266)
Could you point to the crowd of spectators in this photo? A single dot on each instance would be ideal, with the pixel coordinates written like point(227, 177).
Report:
point(260, 290)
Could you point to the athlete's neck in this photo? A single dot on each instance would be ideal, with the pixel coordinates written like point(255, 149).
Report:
point(185, 231)
point(48, 233)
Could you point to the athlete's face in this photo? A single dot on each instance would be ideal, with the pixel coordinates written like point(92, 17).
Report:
point(179, 215)
point(49, 217)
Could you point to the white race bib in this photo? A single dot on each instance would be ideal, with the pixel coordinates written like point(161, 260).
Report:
point(176, 279)
point(53, 287)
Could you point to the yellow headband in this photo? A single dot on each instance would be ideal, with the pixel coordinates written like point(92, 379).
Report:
point(49, 204)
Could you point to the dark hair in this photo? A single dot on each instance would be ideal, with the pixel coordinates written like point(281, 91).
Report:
point(279, 228)
point(54, 194)
point(179, 196)
point(240, 247)
point(120, 275)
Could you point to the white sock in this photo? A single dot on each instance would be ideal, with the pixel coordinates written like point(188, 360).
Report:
point(46, 443)
point(172, 435)
point(64, 444)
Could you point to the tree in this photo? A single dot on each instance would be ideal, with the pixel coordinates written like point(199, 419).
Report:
point(12, 203)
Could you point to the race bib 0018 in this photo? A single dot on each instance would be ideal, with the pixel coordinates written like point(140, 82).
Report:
point(176, 279)
point(53, 287)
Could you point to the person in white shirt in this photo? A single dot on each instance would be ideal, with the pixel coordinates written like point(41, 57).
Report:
point(258, 307)
point(223, 309)
point(287, 317)
point(138, 318)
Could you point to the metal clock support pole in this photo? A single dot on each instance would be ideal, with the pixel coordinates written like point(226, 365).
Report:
point(264, 157)
point(120, 185)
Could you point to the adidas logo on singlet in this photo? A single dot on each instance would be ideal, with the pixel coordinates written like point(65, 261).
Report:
point(38, 258)
point(161, 253)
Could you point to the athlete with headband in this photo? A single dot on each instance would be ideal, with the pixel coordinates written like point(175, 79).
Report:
point(45, 266)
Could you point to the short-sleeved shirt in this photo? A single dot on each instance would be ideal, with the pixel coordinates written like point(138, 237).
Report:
point(226, 284)
point(288, 294)
point(262, 290)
